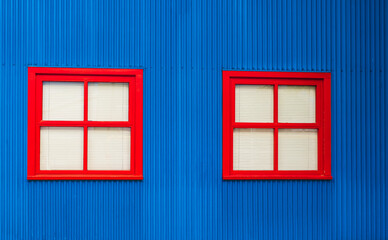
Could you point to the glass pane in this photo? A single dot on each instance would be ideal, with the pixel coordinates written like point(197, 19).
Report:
point(298, 149)
point(108, 101)
point(297, 104)
point(63, 101)
point(109, 148)
point(254, 103)
point(252, 149)
point(61, 148)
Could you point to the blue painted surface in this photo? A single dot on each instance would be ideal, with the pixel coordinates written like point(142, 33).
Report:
point(183, 46)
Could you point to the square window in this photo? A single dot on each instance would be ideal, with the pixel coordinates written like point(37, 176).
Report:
point(276, 125)
point(63, 101)
point(61, 148)
point(298, 149)
point(252, 149)
point(85, 124)
point(109, 148)
point(297, 104)
point(108, 101)
point(254, 103)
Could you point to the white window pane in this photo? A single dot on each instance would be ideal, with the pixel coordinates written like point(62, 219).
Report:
point(109, 148)
point(298, 149)
point(63, 101)
point(108, 101)
point(252, 149)
point(61, 148)
point(254, 103)
point(297, 104)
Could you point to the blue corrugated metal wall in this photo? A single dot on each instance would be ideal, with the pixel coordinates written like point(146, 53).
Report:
point(183, 46)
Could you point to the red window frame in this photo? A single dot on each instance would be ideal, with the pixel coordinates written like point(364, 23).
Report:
point(323, 122)
point(36, 77)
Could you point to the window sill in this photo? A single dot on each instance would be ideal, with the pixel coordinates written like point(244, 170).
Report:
point(276, 177)
point(85, 177)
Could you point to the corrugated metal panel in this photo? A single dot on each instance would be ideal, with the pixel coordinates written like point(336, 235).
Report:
point(183, 46)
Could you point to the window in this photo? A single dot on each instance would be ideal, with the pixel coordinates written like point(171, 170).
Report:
point(276, 125)
point(84, 123)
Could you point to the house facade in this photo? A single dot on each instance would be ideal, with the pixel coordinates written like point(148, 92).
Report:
point(315, 169)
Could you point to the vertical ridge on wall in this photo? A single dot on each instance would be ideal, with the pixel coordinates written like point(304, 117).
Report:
point(183, 47)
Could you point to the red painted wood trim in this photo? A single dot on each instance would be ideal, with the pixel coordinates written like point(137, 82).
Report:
point(134, 77)
point(86, 112)
point(31, 136)
point(323, 122)
point(227, 134)
point(277, 177)
point(85, 177)
point(327, 124)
